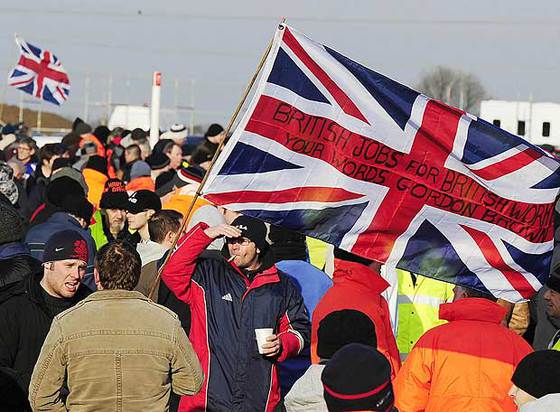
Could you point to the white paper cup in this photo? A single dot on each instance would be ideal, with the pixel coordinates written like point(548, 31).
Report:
point(261, 334)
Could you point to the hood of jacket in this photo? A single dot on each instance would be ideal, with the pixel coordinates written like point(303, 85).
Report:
point(358, 275)
point(13, 249)
point(141, 183)
point(478, 309)
point(94, 176)
point(65, 218)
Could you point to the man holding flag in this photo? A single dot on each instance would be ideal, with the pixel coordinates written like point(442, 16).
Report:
point(232, 296)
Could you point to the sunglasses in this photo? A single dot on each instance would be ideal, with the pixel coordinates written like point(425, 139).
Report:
point(243, 241)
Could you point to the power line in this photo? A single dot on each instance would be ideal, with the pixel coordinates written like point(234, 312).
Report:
point(178, 15)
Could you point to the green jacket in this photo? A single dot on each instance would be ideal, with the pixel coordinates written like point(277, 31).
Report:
point(97, 231)
point(117, 351)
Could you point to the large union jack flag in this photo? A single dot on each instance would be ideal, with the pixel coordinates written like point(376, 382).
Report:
point(342, 153)
point(39, 73)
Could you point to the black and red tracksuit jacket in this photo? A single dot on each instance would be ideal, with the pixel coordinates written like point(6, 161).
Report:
point(226, 308)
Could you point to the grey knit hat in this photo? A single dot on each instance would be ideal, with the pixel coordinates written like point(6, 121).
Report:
point(7, 185)
point(72, 173)
point(140, 169)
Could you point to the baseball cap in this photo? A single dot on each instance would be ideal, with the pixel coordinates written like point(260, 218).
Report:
point(142, 200)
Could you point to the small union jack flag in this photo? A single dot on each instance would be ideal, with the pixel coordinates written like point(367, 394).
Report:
point(335, 150)
point(39, 73)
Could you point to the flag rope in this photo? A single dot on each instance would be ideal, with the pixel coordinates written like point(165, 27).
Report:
point(250, 85)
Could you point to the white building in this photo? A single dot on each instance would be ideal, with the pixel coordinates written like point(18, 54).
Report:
point(539, 123)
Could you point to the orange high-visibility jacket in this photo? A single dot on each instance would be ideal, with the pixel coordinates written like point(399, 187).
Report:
point(464, 365)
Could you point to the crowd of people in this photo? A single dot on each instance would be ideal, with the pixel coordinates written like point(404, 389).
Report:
point(113, 297)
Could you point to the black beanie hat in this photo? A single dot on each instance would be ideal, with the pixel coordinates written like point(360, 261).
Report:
point(66, 244)
point(161, 145)
point(158, 160)
point(61, 187)
point(214, 130)
point(102, 132)
point(252, 229)
point(79, 206)
point(97, 163)
point(138, 135)
point(350, 257)
point(538, 373)
point(341, 328)
point(61, 162)
point(80, 127)
point(553, 282)
point(114, 195)
point(358, 378)
point(12, 227)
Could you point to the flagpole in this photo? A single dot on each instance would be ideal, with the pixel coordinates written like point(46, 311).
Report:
point(214, 158)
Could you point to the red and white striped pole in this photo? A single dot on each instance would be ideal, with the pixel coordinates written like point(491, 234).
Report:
point(154, 109)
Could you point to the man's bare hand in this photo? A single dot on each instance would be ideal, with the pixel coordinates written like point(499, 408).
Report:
point(222, 230)
point(272, 346)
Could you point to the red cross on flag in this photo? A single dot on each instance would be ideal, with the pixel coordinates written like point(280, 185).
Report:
point(39, 73)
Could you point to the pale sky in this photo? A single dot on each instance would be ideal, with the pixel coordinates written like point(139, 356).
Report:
point(512, 46)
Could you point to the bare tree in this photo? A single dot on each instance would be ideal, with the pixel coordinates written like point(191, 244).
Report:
point(454, 87)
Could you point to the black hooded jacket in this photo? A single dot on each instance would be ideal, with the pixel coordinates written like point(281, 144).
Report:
point(25, 320)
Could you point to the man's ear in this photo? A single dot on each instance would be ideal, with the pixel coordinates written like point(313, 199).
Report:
point(150, 213)
point(170, 237)
point(96, 278)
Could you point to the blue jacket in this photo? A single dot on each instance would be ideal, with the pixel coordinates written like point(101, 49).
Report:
point(226, 308)
point(313, 284)
point(38, 236)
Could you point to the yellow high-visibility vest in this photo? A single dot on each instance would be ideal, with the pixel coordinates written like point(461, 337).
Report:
point(418, 307)
point(317, 252)
point(556, 340)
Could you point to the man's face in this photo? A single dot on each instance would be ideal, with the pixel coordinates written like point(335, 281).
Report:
point(145, 151)
point(129, 156)
point(62, 278)
point(175, 157)
point(137, 220)
point(244, 252)
point(115, 217)
point(24, 152)
point(552, 300)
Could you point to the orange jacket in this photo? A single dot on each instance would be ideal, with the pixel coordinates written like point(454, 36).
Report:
point(96, 183)
point(464, 365)
point(357, 287)
point(141, 183)
point(181, 203)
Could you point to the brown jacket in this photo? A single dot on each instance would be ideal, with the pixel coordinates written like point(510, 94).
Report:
point(117, 351)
